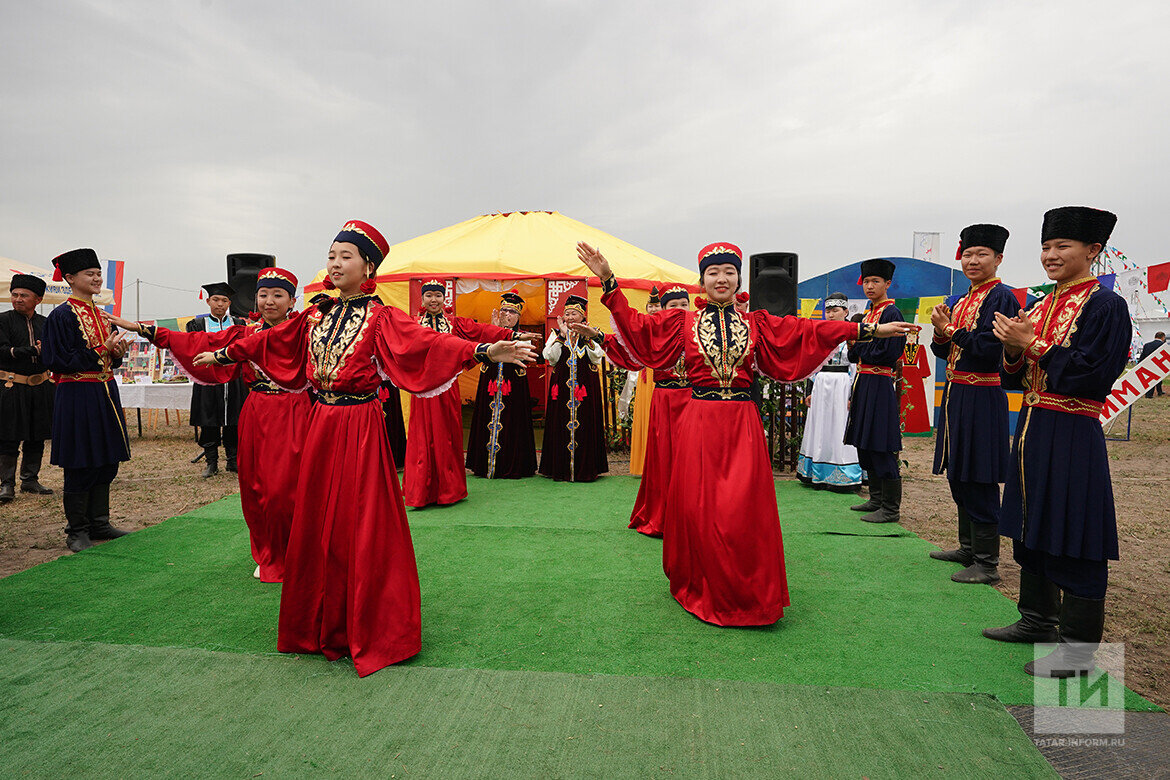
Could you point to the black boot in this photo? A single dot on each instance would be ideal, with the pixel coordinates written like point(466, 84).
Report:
point(212, 467)
point(77, 527)
point(99, 514)
point(962, 555)
point(1081, 623)
point(30, 472)
point(891, 503)
point(7, 478)
point(984, 569)
point(231, 464)
point(875, 497)
point(1039, 612)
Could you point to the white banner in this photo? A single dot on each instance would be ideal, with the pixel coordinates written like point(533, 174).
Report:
point(1133, 385)
point(926, 246)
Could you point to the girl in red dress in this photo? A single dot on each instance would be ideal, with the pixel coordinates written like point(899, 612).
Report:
point(350, 580)
point(671, 394)
point(722, 549)
point(272, 421)
point(434, 472)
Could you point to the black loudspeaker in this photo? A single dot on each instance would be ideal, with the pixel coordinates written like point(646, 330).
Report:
point(773, 283)
point(242, 270)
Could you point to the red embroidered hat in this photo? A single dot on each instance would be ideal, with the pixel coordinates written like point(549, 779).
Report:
point(278, 277)
point(718, 253)
point(366, 238)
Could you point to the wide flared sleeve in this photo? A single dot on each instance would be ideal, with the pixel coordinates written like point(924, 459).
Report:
point(1097, 351)
point(473, 330)
point(789, 349)
point(420, 360)
point(553, 348)
point(619, 357)
point(654, 341)
point(63, 349)
point(184, 346)
point(981, 342)
point(282, 353)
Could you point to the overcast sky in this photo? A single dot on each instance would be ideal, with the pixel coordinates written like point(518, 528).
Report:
point(169, 134)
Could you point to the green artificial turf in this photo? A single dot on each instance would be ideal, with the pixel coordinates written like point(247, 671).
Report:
point(541, 576)
point(132, 711)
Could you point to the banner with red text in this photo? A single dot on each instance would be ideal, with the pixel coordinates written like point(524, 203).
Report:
point(1133, 384)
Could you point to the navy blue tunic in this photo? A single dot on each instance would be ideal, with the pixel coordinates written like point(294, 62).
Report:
point(971, 443)
point(875, 421)
point(89, 429)
point(1058, 498)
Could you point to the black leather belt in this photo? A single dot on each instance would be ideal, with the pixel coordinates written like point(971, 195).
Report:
point(330, 398)
point(836, 369)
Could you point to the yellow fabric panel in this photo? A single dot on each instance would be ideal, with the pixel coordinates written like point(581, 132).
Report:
point(538, 243)
point(926, 305)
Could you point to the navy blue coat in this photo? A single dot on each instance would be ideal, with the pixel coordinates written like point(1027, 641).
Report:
point(972, 440)
point(1058, 497)
point(89, 429)
point(875, 418)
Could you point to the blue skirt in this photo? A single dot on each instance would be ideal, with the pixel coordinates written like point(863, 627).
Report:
point(875, 420)
point(971, 442)
point(1058, 497)
point(89, 428)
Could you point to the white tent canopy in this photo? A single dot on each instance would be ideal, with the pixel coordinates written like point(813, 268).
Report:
point(55, 292)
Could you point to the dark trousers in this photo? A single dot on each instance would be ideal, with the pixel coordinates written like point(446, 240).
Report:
point(980, 499)
point(210, 437)
point(1078, 576)
point(1157, 387)
point(85, 480)
point(34, 452)
point(878, 465)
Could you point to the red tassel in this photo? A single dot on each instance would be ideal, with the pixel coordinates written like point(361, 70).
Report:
point(254, 316)
point(859, 281)
point(492, 387)
point(580, 392)
point(742, 297)
point(200, 293)
point(555, 393)
point(368, 286)
point(383, 394)
point(700, 302)
point(959, 252)
point(328, 284)
point(506, 387)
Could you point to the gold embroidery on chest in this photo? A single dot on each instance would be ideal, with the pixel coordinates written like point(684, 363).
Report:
point(439, 323)
point(93, 329)
point(966, 316)
point(333, 338)
point(724, 340)
point(1055, 320)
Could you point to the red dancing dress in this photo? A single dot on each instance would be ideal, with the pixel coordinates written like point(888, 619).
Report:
point(272, 432)
point(671, 394)
point(722, 548)
point(434, 471)
point(351, 583)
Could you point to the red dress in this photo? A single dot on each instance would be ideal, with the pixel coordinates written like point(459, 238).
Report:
point(915, 368)
point(722, 548)
point(272, 432)
point(671, 394)
point(351, 584)
point(434, 471)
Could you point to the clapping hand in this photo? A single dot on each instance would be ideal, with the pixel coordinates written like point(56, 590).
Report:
point(585, 329)
point(1016, 333)
point(940, 316)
